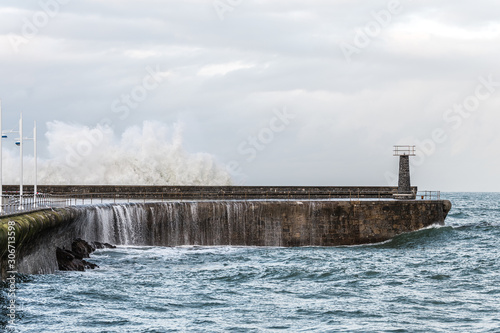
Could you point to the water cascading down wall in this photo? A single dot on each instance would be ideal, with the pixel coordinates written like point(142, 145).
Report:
point(214, 222)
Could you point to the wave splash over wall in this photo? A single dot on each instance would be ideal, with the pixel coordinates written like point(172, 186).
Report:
point(287, 223)
point(204, 223)
point(256, 222)
point(149, 155)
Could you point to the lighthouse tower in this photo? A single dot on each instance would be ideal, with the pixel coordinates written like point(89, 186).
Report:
point(404, 184)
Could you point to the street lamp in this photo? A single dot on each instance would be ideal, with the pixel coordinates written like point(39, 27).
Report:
point(1, 181)
point(20, 143)
point(35, 181)
point(1, 159)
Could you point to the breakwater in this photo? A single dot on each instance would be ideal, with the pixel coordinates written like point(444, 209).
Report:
point(213, 192)
point(215, 222)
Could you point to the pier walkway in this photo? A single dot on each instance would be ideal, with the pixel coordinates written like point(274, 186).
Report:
point(63, 196)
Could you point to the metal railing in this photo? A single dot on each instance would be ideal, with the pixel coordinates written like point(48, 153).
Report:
point(429, 195)
point(404, 150)
point(75, 199)
point(14, 204)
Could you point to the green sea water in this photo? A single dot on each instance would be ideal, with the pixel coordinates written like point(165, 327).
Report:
point(441, 279)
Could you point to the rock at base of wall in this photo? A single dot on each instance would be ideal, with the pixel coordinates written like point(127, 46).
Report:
point(99, 246)
point(72, 260)
point(68, 261)
point(83, 249)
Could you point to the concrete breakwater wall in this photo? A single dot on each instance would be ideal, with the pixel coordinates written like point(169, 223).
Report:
point(31, 239)
point(207, 223)
point(214, 192)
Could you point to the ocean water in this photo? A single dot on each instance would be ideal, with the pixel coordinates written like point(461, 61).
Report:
point(441, 279)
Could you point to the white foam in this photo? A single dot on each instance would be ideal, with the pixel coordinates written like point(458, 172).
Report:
point(149, 155)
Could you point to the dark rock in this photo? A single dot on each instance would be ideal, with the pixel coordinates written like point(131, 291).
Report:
point(72, 260)
point(81, 249)
point(67, 261)
point(99, 245)
point(89, 265)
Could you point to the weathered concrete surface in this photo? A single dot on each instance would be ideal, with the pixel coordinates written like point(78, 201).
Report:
point(238, 223)
point(36, 236)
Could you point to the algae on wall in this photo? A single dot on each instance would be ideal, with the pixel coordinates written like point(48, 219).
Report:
point(20, 233)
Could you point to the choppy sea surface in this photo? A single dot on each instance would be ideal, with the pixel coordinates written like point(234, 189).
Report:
point(441, 279)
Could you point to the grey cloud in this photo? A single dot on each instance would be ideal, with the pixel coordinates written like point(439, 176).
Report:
point(348, 114)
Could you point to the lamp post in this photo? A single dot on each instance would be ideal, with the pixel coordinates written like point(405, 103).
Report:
point(20, 143)
point(35, 184)
point(35, 192)
point(3, 136)
point(1, 180)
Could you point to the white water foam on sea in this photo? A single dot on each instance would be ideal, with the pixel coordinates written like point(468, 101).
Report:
point(149, 155)
point(432, 280)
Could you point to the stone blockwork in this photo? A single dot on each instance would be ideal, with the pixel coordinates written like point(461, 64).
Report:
point(236, 223)
point(404, 186)
point(352, 223)
point(214, 192)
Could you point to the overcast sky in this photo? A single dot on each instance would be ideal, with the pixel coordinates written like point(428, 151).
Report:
point(281, 92)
